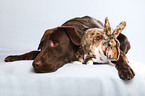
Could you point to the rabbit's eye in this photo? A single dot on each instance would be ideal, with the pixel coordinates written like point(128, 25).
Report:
point(98, 37)
point(109, 44)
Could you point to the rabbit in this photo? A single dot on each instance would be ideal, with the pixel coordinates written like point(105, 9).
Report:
point(100, 45)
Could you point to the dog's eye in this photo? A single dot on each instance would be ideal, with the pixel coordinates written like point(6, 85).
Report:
point(54, 43)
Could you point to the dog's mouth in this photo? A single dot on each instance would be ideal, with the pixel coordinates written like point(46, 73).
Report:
point(39, 67)
point(39, 70)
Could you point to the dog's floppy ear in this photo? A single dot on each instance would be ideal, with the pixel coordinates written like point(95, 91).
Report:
point(72, 33)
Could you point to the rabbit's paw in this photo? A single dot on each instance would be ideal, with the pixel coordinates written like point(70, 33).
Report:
point(90, 62)
point(126, 73)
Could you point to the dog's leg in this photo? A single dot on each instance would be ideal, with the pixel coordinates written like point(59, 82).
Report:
point(27, 56)
point(124, 70)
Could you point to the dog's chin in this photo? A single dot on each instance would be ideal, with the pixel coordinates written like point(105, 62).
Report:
point(42, 70)
point(38, 71)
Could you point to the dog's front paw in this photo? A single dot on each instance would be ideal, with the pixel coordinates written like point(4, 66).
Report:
point(126, 74)
point(10, 58)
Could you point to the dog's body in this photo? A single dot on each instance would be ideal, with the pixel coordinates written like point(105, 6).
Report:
point(59, 45)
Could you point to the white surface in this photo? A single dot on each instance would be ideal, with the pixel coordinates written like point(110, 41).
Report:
point(18, 79)
point(23, 22)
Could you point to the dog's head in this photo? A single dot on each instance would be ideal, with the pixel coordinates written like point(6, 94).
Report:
point(58, 47)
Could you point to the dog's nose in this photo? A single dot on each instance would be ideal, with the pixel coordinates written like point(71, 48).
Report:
point(37, 65)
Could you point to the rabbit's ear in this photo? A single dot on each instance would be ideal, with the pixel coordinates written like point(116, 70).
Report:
point(118, 29)
point(107, 27)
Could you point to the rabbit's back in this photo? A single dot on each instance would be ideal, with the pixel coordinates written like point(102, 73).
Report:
point(90, 43)
point(92, 38)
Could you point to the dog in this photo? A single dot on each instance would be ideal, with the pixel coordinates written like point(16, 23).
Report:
point(59, 45)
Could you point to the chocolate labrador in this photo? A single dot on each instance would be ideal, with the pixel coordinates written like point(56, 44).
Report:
point(59, 45)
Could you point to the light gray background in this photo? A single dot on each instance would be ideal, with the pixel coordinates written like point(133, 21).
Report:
point(23, 22)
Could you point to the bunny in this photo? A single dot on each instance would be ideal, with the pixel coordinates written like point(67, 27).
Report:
point(100, 45)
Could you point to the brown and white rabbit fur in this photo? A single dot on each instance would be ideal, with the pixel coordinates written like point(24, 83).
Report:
point(100, 45)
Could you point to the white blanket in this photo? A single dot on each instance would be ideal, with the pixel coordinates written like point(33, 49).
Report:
point(73, 79)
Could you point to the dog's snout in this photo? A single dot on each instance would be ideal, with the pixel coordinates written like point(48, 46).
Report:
point(37, 65)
